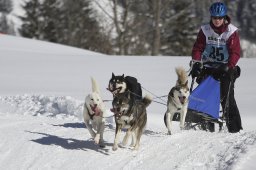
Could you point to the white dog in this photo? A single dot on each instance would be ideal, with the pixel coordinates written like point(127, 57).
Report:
point(94, 114)
point(177, 100)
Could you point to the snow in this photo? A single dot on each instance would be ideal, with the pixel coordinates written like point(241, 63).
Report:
point(42, 90)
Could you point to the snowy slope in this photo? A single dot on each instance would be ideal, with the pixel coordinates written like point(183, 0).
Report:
point(41, 96)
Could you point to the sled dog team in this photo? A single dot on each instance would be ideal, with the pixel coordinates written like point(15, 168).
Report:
point(210, 56)
point(129, 108)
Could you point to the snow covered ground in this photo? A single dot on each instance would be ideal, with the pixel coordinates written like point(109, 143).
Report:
point(42, 88)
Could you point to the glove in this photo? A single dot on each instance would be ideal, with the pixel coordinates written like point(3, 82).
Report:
point(237, 72)
point(225, 71)
point(230, 73)
point(196, 69)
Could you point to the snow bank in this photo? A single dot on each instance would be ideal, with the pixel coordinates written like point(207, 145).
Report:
point(62, 107)
point(37, 105)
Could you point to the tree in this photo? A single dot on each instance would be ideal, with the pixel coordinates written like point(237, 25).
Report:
point(32, 21)
point(179, 28)
point(78, 27)
point(5, 8)
point(66, 22)
point(246, 16)
point(121, 24)
point(156, 40)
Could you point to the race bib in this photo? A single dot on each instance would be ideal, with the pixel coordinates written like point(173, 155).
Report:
point(215, 53)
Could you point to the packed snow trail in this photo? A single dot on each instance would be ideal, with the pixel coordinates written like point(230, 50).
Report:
point(32, 138)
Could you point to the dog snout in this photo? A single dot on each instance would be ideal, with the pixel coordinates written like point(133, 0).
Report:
point(115, 110)
point(110, 86)
point(118, 109)
point(93, 107)
point(182, 99)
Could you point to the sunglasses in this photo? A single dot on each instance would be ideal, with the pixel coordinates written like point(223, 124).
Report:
point(220, 18)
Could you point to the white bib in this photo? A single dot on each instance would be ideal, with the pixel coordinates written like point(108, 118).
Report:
point(216, 45)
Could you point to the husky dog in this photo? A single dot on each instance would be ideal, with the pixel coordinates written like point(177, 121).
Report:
point(93, 112)
point(131, 116)
point(123, 84)
point(177, 100)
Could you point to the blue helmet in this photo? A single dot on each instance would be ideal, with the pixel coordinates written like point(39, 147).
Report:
point(218, 9)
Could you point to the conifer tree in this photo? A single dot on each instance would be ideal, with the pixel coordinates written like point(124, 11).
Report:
point(6, 7)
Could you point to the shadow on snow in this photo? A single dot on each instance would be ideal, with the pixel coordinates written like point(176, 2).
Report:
point(80, 125)
point(69, 143)
point(72, 125)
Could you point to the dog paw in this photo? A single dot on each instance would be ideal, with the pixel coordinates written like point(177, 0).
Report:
point(169, 133)
point(132, 145)
point(124, 143)
point(97, 139)
point(120, 145)
point(114, 148)
point(102, 145)
point(136, 148)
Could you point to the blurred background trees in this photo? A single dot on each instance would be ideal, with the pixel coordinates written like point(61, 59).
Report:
point(6, 26)
point(124, 27)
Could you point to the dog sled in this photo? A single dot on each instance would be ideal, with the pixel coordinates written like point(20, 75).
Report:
point(204, 103)
point(204, 106)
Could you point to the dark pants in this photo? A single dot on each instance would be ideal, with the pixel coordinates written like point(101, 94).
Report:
point(229, 108)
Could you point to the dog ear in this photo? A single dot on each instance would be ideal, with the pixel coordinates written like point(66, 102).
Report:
point(113, 75)
point(123, 76)
point(171, 92)
point(95, 86)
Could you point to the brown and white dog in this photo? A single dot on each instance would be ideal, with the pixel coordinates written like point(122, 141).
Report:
point(94, 114)
point(177, 100)
point(130, 115)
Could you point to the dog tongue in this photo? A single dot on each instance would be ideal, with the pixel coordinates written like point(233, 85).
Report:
point(97, 111)
point(182, 99)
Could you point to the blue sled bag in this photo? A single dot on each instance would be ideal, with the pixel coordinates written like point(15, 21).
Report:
point(205, 98)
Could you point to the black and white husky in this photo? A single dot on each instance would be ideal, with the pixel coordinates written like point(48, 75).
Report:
point(94, 114)
point(130, 115)
point(177, 100)
point(123, 84)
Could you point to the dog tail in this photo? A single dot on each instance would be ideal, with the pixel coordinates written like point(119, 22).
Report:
point(147, 99)
point(95, 86)
point(182, 76)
